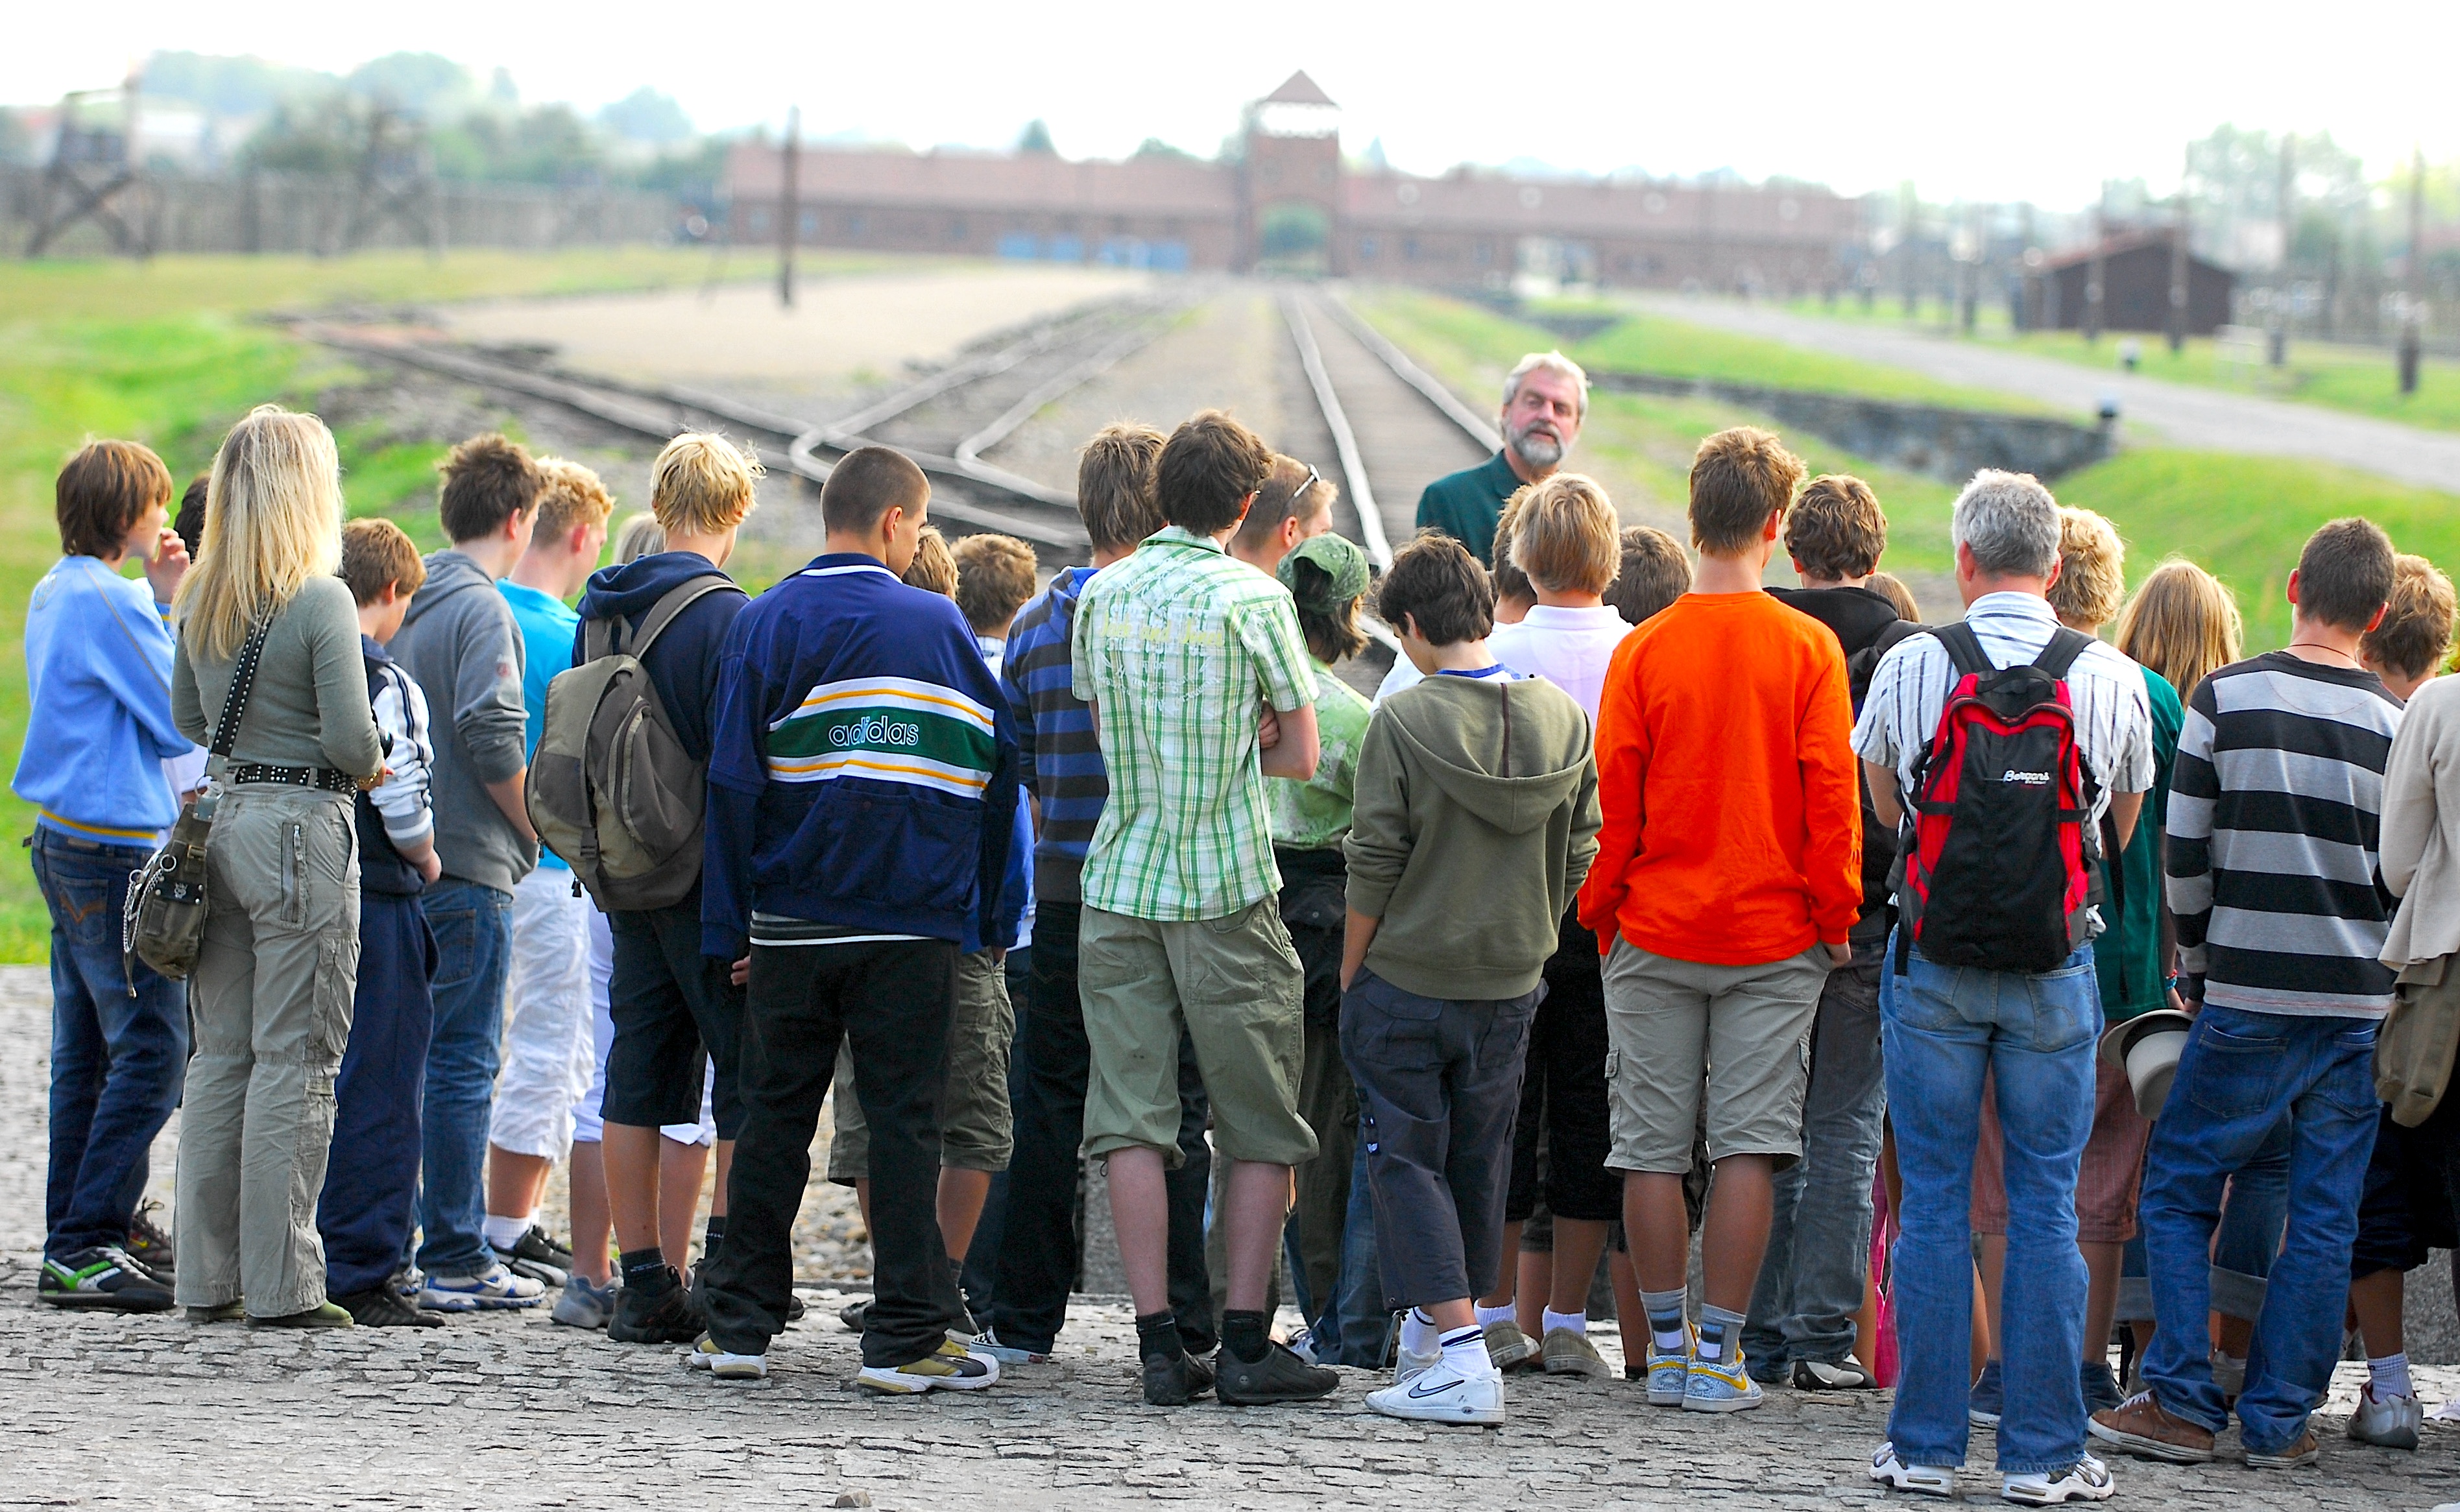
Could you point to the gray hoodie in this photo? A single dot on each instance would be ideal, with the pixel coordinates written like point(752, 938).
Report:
point(461, 645)
point(1476, 821)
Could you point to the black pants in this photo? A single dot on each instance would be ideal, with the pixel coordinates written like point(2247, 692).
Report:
point(1040, 1246)
point(892, 1001)
point(667, 1001)
point(1438, 1089)
point(1566, 1093)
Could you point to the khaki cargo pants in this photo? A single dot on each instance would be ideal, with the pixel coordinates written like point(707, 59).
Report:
point(271, 1002)
point(977, 1128)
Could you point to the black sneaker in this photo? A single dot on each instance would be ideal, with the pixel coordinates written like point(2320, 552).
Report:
point(149, 1245)
point(1280, 1376)
point(1175, 1383)
point(382, 1307)
point(670, 1318)
point(104, 1277)
point(856, 1315)
point(536, 1255)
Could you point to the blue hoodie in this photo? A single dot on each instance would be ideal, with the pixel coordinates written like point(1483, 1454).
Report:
point(683, 663)
point(864, 767)
point(98, 718)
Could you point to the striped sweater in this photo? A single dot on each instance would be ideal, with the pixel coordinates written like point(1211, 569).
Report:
point(2274, 819)
point(862, 768)
point(1061, 762)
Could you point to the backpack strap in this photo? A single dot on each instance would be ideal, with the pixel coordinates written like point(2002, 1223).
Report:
point(667, 609)
point(597, 639)
point(2064, 647)
point(1964, 649)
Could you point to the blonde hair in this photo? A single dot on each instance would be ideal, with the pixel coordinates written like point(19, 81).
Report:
point(933, 569)
point(2092, 569)
point(273, 519)
point(2183, 624)
point(2415, 635)
point(1564, 535)
point(641, 536)
point(702, 484)
point(573, 495)
point(1892, 588)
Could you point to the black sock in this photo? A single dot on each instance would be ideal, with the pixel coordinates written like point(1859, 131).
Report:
point(1243, 1336)
point(1157, 1337)
point(711, 1235)
point(646, 1270)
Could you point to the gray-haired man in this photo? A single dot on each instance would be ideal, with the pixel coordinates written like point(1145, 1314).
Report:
point(1946, 1024)
point(1545, 398)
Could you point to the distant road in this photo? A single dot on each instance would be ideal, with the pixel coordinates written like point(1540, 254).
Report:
point(2201, 419)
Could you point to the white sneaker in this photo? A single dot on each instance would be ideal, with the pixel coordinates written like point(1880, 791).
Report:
point(2389, 1422)
point(1939, 1480)
point(1441, 1395)
point(1407, 1366)
point(2087, 1480)
point(493, 1287)
point(707, 1355)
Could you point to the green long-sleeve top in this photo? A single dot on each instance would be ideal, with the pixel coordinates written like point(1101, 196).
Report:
point(310, 706)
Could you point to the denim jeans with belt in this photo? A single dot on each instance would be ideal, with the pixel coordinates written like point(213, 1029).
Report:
point(473, 924)
point(1943, 1027)
point(119, 1045)
point(2241, 1074)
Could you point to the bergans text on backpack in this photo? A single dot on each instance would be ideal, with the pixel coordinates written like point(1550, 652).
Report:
point(1999, 865)
point(610, 788)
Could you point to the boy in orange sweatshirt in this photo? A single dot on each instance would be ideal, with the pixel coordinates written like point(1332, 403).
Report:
point(1727, 874)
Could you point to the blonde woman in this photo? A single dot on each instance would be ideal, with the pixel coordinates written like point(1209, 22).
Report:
point(2183, 624)
point(272, 996)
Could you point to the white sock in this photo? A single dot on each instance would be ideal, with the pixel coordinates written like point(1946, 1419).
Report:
point(2387, 1377)
point(1488, 1318)
point(1577, 1322)
point(1419, 1335)
point(1465, 1353)
point(502, 1234)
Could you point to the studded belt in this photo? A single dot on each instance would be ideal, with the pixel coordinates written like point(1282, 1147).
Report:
point(323, 778)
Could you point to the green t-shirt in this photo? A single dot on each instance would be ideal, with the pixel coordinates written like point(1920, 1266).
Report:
point(2126, 958)
point(1466, 504)
point(1314, 814)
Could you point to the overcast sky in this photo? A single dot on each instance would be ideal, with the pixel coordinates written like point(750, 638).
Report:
point(1982, 100)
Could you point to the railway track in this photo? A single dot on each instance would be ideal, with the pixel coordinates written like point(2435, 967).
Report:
point(1393, 426)
point(943, 421)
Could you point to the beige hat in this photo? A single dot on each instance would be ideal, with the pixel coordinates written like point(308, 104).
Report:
point(2147, 1047)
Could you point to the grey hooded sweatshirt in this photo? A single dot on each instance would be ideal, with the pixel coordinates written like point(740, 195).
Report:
point(1476, 821)
point(460, 643)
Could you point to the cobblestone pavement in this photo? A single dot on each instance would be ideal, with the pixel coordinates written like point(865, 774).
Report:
point(97, 1409)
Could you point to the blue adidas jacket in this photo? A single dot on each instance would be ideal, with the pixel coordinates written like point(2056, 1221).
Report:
point(863, 765)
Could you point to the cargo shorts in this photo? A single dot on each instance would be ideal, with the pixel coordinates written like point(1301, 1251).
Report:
point(1740, 1033)
point(976, 1130)
point(1235, 986)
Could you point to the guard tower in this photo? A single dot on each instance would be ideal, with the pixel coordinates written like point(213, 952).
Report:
point(95, 173)
point(395, 182)
point(1289, 181)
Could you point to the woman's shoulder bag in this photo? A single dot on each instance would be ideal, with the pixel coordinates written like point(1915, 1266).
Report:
point(163, 922)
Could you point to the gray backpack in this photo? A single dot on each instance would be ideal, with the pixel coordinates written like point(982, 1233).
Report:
point(610, 788)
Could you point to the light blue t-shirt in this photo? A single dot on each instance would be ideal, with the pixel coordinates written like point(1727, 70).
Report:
point(548, 632)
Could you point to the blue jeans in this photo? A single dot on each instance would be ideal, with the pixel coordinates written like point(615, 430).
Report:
point(2242, 1074)
point(371, 1181)
point(1819, 1239)
point(1351, 1331)
point(472, 925)
point(120, 1046)
point(1942, 1028)
point(2250, 1236)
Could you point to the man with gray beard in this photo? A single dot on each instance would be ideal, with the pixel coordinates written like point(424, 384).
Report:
point(1544, 401)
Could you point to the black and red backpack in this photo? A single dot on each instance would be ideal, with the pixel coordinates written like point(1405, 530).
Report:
point(2000, 862)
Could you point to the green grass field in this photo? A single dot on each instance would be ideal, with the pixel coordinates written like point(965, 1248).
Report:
point(2242, 519)
point(2362, 380)
point(169, 353)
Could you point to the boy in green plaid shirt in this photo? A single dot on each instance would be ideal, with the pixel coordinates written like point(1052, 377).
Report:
point(1176, 648)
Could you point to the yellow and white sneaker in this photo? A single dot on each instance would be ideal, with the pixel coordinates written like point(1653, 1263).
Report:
point(951, 1367)
point(724, 1365)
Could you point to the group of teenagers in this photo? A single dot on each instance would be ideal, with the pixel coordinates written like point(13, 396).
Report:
point(1640, 902)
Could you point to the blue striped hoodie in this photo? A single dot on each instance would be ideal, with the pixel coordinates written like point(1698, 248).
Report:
point(862, 765)
point(1062, 759)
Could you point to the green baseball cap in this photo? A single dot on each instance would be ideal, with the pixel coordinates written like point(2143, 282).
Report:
point(1339, 573)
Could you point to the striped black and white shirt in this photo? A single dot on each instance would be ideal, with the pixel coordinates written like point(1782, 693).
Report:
point(2273, 824)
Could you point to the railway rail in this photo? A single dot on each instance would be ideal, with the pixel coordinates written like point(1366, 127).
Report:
point(1395, 428)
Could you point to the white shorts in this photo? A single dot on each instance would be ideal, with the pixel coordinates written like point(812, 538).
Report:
point(587, 1128)
point(547, 1043)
